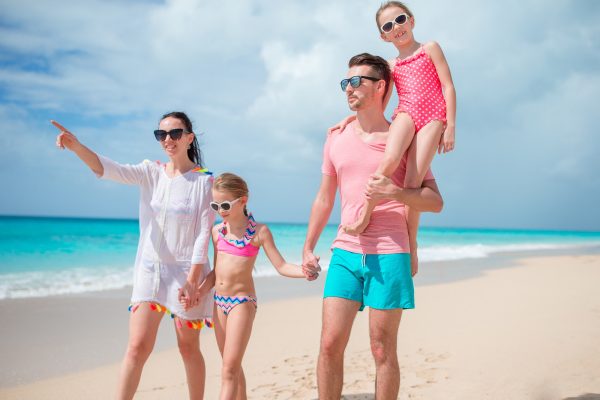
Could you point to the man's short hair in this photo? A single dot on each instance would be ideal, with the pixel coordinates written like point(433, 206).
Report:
point(380, 67)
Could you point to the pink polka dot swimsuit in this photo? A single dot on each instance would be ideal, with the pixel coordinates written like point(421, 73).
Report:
point(419, 90)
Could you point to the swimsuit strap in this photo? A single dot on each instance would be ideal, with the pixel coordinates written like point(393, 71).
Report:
point(418, 53)
point(248, 234)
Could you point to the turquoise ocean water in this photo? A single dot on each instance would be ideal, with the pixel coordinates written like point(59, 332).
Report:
point(49, 256)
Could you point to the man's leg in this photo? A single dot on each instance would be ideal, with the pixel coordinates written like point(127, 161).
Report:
point(383, 330)
point(338, 316)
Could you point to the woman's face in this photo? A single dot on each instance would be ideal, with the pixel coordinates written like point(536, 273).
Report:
point(175, 148)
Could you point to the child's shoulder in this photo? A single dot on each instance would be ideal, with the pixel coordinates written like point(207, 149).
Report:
point(260, 227)
point(431, 47)
point(262, 231)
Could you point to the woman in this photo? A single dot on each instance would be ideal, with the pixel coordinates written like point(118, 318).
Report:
point(175, 226)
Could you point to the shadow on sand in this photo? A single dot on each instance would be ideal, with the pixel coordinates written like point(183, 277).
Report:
point(371, 396)
point(360, 396)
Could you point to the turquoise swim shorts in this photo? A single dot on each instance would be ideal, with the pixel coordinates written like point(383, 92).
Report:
point(380, 281)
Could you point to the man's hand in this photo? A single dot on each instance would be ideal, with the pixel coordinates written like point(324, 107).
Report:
point(381, 187)
point(310, 265)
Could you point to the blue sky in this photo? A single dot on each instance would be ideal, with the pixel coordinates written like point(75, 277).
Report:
point(260, 81)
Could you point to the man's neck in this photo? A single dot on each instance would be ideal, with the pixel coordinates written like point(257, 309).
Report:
point(372, 120)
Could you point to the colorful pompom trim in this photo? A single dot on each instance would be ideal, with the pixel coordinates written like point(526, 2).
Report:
point(202, 170)
point(192, 324)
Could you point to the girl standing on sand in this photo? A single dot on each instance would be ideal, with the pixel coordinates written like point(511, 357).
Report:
point(172, 257)
point(424, 119)
point(236, 242)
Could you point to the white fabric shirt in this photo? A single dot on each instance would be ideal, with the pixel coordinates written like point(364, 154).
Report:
point(175, 226)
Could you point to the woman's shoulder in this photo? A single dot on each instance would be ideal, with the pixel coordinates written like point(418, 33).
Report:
point(202, 174)
point(152, 166)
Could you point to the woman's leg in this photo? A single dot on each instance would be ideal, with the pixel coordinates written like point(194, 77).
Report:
point(420, 155)
point(237, 334)
point(402, 131)
point(195, 370)
point(143, 325)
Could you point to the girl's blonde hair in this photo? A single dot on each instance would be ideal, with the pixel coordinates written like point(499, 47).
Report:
point(389, 4)
point(231, 183)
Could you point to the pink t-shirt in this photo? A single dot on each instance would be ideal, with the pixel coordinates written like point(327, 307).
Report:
point(347, 157)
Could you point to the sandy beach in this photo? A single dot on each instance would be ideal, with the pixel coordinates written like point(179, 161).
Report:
point(508, 327)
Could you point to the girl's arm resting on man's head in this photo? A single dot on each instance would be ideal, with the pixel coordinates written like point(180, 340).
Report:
point(342, 124)
point(284, 268)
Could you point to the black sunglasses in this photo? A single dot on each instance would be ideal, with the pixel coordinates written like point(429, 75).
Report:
point(355, 81)
point(175, 134)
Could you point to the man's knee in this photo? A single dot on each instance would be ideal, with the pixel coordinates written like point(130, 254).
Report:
point(331, 346)
point(384, 350)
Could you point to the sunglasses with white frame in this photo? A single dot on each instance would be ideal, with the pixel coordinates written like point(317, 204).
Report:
point(399, 20)
point(224, 205)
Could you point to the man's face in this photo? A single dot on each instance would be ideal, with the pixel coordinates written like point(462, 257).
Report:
point(363, 95)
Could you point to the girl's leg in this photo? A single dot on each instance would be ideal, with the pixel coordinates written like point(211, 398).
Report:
point(143, 325)
point(237, 334)
point(188, 341)
point(420, 155)
point(402, 131)
point(220, 326)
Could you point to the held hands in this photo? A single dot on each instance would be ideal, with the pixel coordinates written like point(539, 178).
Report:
point(340, 126)
point(310, 266)
point(447, 140)
point(65, 140)
point(188, 295)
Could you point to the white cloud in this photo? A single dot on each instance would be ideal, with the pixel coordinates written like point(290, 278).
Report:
point(261, 79)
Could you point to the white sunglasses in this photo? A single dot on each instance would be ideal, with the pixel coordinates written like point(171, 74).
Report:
point(399, 20)
point(224, 205)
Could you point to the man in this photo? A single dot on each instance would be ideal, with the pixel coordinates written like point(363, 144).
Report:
point(372, 269)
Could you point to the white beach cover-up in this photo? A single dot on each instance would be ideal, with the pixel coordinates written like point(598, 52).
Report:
point(175, 225)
